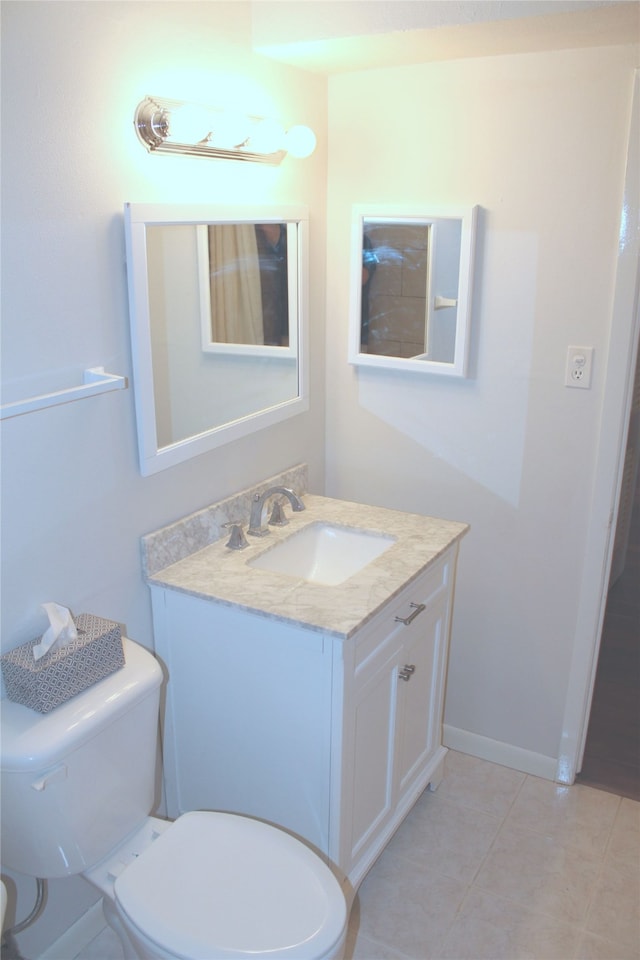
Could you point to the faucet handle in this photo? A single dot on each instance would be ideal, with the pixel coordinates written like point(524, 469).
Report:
point(278, 518)
point(237, 540)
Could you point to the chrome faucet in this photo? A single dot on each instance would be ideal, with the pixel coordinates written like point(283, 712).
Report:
point(256, 526)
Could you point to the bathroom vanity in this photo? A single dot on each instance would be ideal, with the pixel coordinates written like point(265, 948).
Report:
point(317, 707)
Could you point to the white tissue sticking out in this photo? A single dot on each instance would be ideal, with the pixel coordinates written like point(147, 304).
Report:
point(61, 630)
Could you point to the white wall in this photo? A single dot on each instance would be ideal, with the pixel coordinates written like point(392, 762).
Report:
point(539, 142)
point(73, 502)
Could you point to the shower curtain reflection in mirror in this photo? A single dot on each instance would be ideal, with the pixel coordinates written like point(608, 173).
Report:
point(248, 284)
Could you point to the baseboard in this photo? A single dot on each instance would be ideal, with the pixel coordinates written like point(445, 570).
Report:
point(76, 938)
point(537, 764)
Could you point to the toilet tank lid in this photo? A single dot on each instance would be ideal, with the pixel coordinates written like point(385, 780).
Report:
point(34, 741)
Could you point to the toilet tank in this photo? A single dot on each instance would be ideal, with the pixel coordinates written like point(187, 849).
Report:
point(77, 780)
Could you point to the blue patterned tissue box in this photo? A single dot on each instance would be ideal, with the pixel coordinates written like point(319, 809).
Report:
point(61, 674)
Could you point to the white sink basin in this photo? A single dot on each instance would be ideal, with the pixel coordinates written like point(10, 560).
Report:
point(323, 553)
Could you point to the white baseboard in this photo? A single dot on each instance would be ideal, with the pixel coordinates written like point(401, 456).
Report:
point(76, 938)
point(537, 764)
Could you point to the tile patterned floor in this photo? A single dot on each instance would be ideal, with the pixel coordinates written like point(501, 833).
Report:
point(497, 865)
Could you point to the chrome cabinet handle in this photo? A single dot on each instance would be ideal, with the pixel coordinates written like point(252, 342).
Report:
point(407, 671)
point(418, 608)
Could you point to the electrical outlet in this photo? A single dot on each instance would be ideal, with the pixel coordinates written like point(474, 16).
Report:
point(579, 364)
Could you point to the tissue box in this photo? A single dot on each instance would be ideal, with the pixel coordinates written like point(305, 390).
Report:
point(60, 674)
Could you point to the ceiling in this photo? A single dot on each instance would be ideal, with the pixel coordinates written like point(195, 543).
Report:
point(335, 36)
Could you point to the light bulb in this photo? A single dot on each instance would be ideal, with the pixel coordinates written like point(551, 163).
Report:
point(230, 129)
point(267, 137)
point(300, 141)
point(189, 124)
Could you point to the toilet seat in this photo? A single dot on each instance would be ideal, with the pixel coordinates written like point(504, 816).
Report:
point(226, 886)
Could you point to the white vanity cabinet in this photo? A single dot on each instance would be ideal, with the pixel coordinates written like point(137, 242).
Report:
point(331, 737)
point(395, 673)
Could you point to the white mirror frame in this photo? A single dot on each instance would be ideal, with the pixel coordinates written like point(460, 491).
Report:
point(429, 216)
point(138, 216)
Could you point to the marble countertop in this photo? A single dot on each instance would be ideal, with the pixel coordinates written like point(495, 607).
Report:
point(223, 575)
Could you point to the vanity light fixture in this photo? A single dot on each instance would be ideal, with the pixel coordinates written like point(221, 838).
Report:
point(173, 126)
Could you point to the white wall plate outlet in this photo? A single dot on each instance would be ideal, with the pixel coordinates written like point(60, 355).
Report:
point(579, 365)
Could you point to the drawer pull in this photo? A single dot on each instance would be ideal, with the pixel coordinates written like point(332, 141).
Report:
point(418, 608)
point(407, 671)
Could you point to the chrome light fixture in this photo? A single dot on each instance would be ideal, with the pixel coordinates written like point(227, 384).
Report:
point(173, 126)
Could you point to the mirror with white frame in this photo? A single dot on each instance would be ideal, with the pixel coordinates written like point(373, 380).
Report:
point(411, 280)
point(218, 309)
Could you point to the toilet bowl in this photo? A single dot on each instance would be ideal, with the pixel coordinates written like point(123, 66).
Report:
point(77, 792)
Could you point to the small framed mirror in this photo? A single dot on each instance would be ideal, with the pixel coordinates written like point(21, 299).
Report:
point(411, 280)
point(218, 307)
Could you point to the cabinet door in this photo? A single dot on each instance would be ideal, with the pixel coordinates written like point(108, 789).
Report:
point(420, 693)
point(393, 715)
point(374, 732)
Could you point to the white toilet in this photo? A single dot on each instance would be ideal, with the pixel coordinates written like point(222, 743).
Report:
point(77, 787)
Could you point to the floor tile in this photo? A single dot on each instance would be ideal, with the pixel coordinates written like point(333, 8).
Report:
point(105, 946)
point(595, 948)
point(614, 912)
point(624, 842)
point(576, 816)
point(493, 928)
point(360, 947)
point(368, 950)
point(540, 874)
point(408, 906)
point(451, 839)
point(484, 786)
